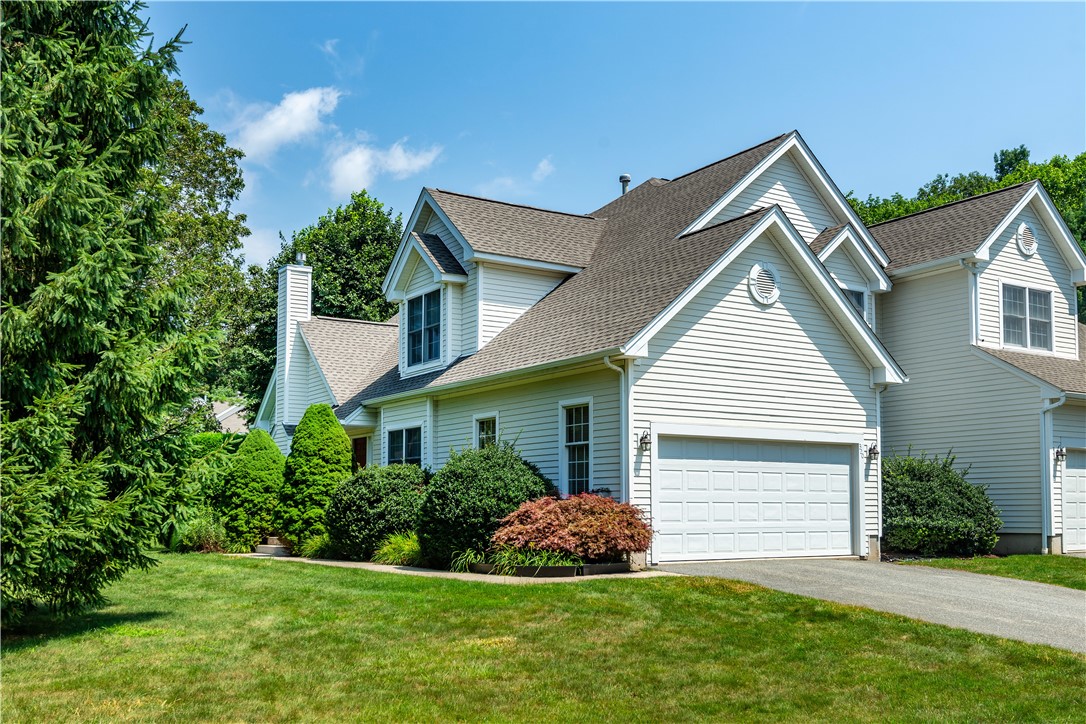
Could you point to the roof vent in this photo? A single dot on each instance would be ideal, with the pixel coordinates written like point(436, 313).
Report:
point(624, 179)
point(764, 283)
point(1027, 242)
point(299, 258)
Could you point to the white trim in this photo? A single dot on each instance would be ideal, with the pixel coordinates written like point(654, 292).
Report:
point(877, 279)
point(1027, 348)
point(426, 199)
point(269, 392)
point(313, 357)
point(883, 367)
point(479, 306)
point(525, 263)
point(1064, 240)
point(395, 294)
point(476, 418)
point(409, 370)
point(423, 433)
point(625, 454)
point(563, 463)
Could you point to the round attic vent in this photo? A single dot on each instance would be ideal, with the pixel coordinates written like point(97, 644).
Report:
point(764, 283)
point(1027, 242)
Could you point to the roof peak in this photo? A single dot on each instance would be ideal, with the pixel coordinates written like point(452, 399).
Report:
point(954, 203)
point(756, 212)
point(510, 203)
point(775, 139)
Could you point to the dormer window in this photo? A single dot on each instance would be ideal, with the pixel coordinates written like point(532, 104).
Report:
point(424, 328)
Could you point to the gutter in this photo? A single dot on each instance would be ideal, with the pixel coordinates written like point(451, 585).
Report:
point(624, 421)
point(1046, 469)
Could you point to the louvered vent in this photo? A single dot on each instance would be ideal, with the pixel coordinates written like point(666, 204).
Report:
point(764, 283)
point(1027, 242)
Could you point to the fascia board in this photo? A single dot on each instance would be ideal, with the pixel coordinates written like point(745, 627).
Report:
point(1065, 240)
point(313, 356)
point(525, 263)
point(875, 271)
point(269, 393)
point(436, 208)
point(983, 252)
point(399, 266)
point(950, 262)
point(396, 258)
point(1047, 390)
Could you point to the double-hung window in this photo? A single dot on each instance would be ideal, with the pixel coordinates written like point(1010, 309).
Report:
point(424, 328)
point(576, 443)
point(405, 446)
point(486, 431)
point(1027, 317)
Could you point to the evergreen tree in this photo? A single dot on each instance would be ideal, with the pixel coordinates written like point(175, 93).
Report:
point(319, 460)
point(251, 489)
point(98, 359)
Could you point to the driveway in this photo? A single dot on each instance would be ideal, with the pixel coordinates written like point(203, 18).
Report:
point(1022, 610)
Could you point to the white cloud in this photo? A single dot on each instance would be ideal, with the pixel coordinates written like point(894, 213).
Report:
point(543, 169)
point(328, 47)
point(261, 245)
point(294, 118)
point(355, 166)
point(500, 186)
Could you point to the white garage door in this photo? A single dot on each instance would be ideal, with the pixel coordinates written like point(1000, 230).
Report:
point(1074, 501)
point(719, 498)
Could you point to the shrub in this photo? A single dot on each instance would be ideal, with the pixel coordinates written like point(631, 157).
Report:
point(931, 509)
point(319, 546)
point(251, 490)
point(319, 460)
point(467, 498)
point(399, 549)
point(591, 527)
point(371, 505)
point(203, 532)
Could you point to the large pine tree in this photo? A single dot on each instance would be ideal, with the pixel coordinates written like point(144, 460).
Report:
point(98, 357)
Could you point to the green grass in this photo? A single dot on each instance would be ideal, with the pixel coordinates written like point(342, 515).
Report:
point(1057, 570)
point(228, 639)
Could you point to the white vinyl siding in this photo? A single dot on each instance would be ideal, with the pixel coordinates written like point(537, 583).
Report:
point(785, 185)
point(398, 417)
point(848, 276)
point(1043, 271)
point(528, 418)
point(434, 225)
point(292, 358)
point(957, 400)
point(509, 293)
point(318, 389)
point(724, 360)
point(463, 299)
point(299, 381)
point(420, 280)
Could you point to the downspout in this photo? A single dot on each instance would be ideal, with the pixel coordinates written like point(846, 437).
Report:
point(1046, 471)
point(624, 422)
point(879, 389)
point(974, 312)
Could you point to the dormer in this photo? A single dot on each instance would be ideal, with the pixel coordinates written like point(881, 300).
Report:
point(853, 267)
point(427, 281)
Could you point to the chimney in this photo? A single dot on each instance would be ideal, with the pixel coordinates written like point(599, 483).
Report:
point(624, 179)
point(295, 305)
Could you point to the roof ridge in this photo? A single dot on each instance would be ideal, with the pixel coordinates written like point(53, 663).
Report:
point(510, 203)
point(728, 158)
point(755, 212)
point(953, 203)
point(353, 321)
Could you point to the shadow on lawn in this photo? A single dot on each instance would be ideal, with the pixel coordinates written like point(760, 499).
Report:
point(39, 627)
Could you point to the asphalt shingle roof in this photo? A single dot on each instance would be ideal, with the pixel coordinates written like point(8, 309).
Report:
point(1068, 375)
point(439, 254)
point(825, 237)
point(348, 352)
point(945, 231)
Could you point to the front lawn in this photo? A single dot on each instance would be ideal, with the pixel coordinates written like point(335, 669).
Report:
point(215, 638)
point(1057, 570)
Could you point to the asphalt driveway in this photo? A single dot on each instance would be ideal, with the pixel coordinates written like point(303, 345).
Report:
point(1022, 610)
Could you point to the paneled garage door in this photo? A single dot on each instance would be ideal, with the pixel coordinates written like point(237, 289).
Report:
point(1074, 501)
point(717, 498)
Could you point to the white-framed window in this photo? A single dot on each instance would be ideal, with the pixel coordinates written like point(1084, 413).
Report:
point(858, 299)
point(1027, 317)
point(486, 429)
point(405, 446)
point(575, 424)
point(424, 328)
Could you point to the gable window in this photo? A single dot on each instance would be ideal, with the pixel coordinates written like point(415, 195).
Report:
point(405, 446)
point(576, 444)
point(857, 300)
point(1027, 317)
point(486, 430)
point(424, 328)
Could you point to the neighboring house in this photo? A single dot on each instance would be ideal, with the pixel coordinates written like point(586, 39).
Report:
point(231, 417)
point(983, 317)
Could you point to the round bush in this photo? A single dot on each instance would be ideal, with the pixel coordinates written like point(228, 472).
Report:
point(591, 527)
point(250, 490)
point(319, 460)
point(467, 498)
point(931, 509)
point(371, 505)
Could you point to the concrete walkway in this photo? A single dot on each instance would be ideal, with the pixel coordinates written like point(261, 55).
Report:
point(1006, 607)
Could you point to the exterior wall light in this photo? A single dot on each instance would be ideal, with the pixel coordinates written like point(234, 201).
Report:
point(873, 452)
point(645, 443)
point(1061, 454)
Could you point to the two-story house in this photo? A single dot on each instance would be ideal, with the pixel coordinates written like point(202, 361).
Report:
point(983, 316)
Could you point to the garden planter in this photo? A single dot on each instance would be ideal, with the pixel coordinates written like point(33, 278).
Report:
point(589, 569)
point(597, 569)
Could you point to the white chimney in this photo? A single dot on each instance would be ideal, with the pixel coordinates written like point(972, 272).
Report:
point(295, 305)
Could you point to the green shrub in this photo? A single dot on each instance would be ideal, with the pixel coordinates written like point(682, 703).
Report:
point(371, 505)
point(319, 460)
point(203, 532)
point(399, 549)
point(467, 498)
point(931, 509)
point(251, 490)
point(319, 546)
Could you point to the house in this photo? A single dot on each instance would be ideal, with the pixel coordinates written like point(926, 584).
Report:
point(983, 316)
point(230, 416)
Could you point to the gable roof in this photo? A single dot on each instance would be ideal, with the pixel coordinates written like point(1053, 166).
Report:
point(823, 239)
point(348, 351)
point(522, 232)
point(438, 253)
point(1069, 375)
point(943, 232)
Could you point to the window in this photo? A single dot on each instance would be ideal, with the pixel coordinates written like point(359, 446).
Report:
point(405, 446)
point(424, 328)
point(486, 430)
point(857, 299)
point(576, 441)
point(1027, 317)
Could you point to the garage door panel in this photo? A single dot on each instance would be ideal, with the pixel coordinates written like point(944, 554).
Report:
point(1074, 501)
point(767, 499)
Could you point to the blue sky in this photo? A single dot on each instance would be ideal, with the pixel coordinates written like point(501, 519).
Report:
point(546, 104)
